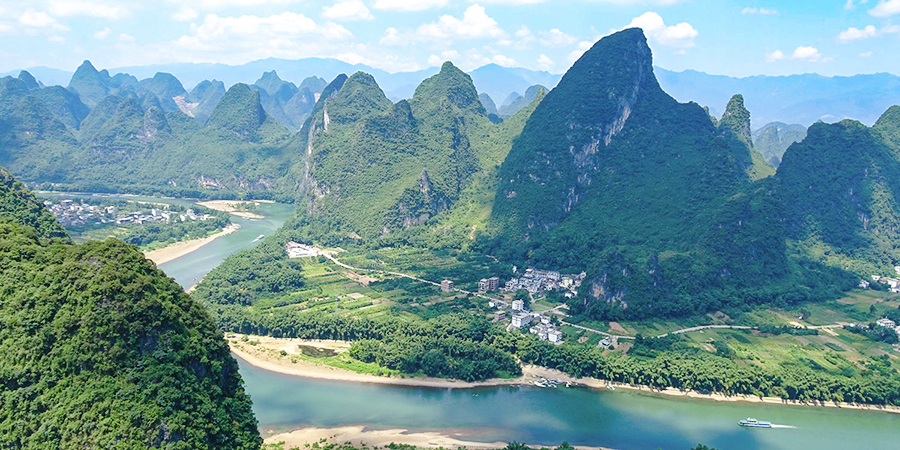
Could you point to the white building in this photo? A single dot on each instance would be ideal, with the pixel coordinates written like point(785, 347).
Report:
point(555, 336)
point(521, 320)
point(295, 250)
point(446, 286)
point(518, 305)
point(885, 322)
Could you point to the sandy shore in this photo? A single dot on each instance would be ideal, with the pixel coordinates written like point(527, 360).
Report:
point(266, 355)
point(228, 206)
point(358, 434)
point(179, 249)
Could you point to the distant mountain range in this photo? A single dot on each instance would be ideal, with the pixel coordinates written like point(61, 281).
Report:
point(802, 99)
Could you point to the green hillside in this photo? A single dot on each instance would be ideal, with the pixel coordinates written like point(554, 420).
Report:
point(840, 188)
point(99, 349)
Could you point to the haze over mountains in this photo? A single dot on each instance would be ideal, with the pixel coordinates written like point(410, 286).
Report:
point(661, 203)
point(801, 99)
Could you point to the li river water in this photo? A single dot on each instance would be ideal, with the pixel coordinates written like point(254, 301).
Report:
point(619, 419)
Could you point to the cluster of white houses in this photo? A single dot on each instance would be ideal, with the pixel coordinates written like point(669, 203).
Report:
point(893, 283)
point(71, 213)
point(535, 281)
point(888, 323)
point(542, 326)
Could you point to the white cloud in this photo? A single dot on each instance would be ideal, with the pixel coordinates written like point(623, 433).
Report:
point(853, 33)
point(126, 38)
point(556, 38)
point(391, 37)
point(102, 10)
point(474, 24)
point(760, 11)
point(774, 56)
point(56, 39)
point(865, 54)
point(40, 19)
point(680, 35)
point(806, 53)
point(435, 60)
point(505, 61)
point(890, 29)
point(236, 40)
point(545, 63)
point(885, 8)
point(102, 34)
point(185, 14)
point(582, 47)
point(409, 5)
point(849, 5)
point(347, 10)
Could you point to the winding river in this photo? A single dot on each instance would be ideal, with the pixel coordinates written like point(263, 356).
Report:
point(619, 419)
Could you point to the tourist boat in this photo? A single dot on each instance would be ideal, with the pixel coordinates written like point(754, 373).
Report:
point(749, 422)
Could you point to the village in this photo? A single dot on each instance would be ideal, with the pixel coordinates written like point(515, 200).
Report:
point(543, 324)
point(70, 213)
point(534, 282)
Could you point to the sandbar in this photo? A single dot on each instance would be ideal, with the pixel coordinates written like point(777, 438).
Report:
point(265, 355)
point(177, 250)
point(229, 207)
point(359, 434)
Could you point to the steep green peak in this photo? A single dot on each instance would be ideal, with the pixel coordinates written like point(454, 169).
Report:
point(239, 111)
point(270, 82)
point(164, 85)
point(450, 83)
point(622, 61)
point(19, 205)
point(736, 120)
point(86, 71)
point(334, 87)
point(205, 89)
point(314, 84)
point(29, 80)
point(317, 117)
point(888, 127)
point(489, 106)
point(360, 96)
point(532, 92)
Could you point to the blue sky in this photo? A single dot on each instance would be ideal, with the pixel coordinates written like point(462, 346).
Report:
point(729, 37)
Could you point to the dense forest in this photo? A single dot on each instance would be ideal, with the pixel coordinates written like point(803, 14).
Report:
point(100, 349)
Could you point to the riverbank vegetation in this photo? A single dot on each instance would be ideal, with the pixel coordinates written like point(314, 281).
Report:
point(412, 327)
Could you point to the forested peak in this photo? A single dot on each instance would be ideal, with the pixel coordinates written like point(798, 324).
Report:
point(332, 88)
point(164, 85)
point(489, 106)
point(86, 72)
point(737, 119)
point(272, 83)
point(19, 205)
point(620, 64)
point(888, 126)
point(239, 110)
point(155, 121)
point(450, 83)
point(314, 84)
point(204, 89)
point(359, 97)
point(533, 91)
point(29, 80)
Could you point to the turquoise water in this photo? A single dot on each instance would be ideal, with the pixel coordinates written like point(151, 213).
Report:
point(190, 269)
point(619, 419)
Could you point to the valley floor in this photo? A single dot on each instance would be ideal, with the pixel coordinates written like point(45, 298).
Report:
point(285, 356)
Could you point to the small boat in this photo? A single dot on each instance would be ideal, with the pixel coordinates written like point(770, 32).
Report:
point(750, 422)
point(610, 387)
point(259, 237)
